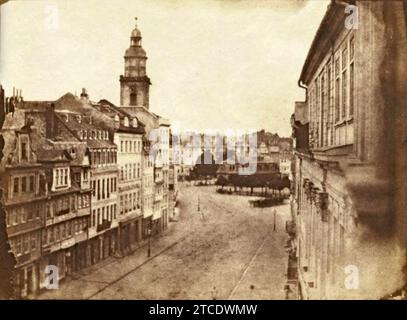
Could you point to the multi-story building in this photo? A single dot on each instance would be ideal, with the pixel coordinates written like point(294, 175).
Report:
point(83, 180)
point(103, 224)
point(49, 198)
point(24, 197)
point(134, 101)
point(350, 178)
point(72, 127)
point(128, 137)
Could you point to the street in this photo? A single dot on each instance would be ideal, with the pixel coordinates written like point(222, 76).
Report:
point(224, 250)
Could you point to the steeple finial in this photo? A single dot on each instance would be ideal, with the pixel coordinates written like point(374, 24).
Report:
point(135, 18)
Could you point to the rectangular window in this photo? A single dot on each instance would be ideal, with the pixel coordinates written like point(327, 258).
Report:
point(24, 152)
point(23, 215)
point(24, 184)
point(322, 133)
point(337, 99)
point(92, 221)
point(26, 243)
point(18, 245)
point(98, 192)
point(31, 189)
point(33, 242)
point(63, 232)
point(51, 235)
point(352, 49)
point(69, 228)
point(73, 203)
point(30, 212)
point(351, 90)
point(15, 185)
point(344, 58)
point(57, 233)
point(331, 106)
point(344, 92)
point(66, 177)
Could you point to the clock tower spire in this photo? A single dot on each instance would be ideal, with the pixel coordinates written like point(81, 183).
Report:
point(135, 84)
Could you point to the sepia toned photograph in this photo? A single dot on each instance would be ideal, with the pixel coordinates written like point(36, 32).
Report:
point(215, 150)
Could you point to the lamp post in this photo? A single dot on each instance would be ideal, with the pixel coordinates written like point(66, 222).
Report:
point(274, 214)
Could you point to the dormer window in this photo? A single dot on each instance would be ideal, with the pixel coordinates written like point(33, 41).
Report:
point(24, 148)
point(134, 123)
point(61, 177)
point(126, 121)
point(24, 153)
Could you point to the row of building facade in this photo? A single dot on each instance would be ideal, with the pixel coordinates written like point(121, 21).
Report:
point(83, 181)
point(350, 183)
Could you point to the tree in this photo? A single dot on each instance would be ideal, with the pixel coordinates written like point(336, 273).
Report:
point(222, 181)
point(205, 170)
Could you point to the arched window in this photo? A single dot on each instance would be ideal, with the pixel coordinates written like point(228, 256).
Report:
point(133, 98)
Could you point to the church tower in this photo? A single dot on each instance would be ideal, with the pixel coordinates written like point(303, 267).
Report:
point(135, 84)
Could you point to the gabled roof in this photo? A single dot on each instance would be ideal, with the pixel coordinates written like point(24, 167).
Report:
point(112, 110)
point(332, 21)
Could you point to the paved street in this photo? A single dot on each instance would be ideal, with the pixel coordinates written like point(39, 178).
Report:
point(226, 250)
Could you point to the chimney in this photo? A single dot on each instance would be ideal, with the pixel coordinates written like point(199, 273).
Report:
point(84, 94)
point(50, 120)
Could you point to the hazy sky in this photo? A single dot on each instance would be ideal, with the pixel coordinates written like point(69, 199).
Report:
point(213, 64)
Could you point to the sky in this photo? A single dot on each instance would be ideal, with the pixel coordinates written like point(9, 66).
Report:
point(213, 64)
